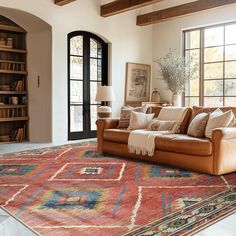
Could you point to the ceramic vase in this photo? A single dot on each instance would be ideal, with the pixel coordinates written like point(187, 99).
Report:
point(155, 96)
point(177, 100)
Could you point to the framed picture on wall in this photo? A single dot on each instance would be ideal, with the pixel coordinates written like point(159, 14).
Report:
point(137, 86)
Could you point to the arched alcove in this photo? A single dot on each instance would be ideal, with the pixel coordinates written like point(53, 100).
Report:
point(39, 60)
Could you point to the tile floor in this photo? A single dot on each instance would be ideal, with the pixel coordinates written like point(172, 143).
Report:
point(10, 226)
point(225, 227)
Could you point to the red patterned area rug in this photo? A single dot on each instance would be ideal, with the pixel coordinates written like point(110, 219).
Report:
point(70, 190)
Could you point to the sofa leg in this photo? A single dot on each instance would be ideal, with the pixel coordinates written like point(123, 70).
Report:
point(99, 148)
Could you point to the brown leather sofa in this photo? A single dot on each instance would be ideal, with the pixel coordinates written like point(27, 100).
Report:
point(213, 156)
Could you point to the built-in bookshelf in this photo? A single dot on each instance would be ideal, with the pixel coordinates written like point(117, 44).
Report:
point(13, 82)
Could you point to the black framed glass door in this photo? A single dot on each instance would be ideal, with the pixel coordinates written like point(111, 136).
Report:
point(87, 68)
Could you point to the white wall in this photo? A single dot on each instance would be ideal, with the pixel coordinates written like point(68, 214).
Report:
point(129, 43)
point(39, 46)
point(168, 34)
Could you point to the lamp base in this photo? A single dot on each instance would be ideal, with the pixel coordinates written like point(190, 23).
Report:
point(104, 112)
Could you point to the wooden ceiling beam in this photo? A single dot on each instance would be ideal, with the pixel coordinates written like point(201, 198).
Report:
point(120, 6)
point(63, 2)
point(180, 10)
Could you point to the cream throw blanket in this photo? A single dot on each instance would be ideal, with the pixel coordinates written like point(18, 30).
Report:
point(143, 141)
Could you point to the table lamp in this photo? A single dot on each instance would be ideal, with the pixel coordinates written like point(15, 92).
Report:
point(105, 94)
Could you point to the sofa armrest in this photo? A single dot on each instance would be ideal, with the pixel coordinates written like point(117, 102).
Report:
point(107, 123)
point(224, 146)
point(103, 124)
point(224, 133)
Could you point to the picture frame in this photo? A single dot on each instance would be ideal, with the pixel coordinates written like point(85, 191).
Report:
point(137, 86)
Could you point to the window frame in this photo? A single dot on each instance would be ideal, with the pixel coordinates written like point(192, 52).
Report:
point(202, 62)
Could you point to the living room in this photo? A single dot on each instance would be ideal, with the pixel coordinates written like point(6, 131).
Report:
point(84, 186)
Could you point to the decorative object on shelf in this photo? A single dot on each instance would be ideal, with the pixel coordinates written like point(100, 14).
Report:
point(175, 70)
point(137, 82)
point(14, 100)
point(105, 94)
point(155, 96)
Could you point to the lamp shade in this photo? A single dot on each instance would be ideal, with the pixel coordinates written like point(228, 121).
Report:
point(105, 94)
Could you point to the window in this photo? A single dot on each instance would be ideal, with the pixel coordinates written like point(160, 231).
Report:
point(87, 68)
point(213, 49)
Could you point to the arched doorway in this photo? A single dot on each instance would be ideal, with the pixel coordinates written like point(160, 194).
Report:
point(87, 68)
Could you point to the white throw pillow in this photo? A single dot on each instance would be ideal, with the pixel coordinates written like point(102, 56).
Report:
point(161, 125)
point(139, 120)
point(218, 119)
point(173, 113)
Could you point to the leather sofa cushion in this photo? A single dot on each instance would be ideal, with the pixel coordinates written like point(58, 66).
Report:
point(180, 143)
point(116, 135)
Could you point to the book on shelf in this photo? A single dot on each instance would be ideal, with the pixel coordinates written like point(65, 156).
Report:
point(18, 134)
point(18, 85)
point(13, 112)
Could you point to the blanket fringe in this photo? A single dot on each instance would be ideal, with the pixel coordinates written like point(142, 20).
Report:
point(143, 151)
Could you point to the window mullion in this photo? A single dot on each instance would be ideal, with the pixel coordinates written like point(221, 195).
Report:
point(201, 66)
point(224, 69)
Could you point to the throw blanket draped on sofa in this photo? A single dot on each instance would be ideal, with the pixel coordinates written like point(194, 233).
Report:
point(143, 141)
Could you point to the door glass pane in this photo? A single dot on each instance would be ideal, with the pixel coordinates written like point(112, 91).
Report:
point(192, 39)
point(230, 69)
point(76, 68)
point(76, 118)
point(230, 87)
point(214, 36)
point(213, 54)
point(99, 69)
point(230, 52)
point(96, 69)
point(93, 114)
point(230, 32)
point(95, 49)
point(213, 101)
point(93, 69)
point(230, 101)
point(213, 88)
point(76, 92)
point(213, 71)
point(93, 91)
point(76, 46)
